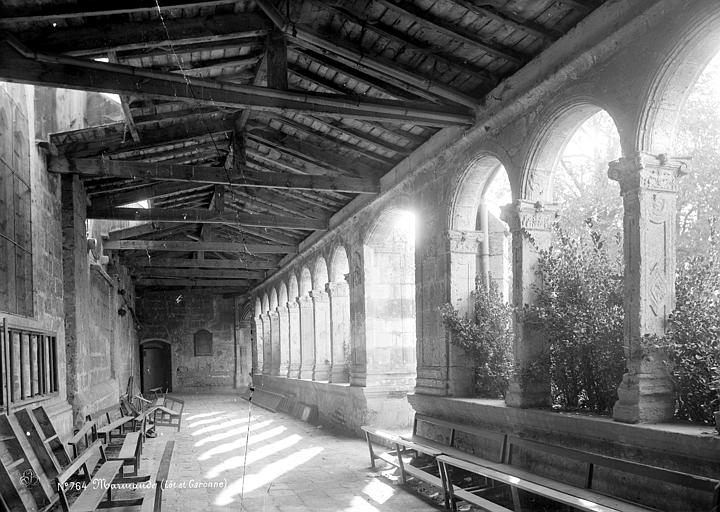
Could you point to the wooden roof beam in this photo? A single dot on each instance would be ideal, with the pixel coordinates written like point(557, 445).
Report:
point(141, 230)
point(381, 64)
point(209, 175)
point(182, 246)
point(97, 41)
point(208, 273)
point(152, 191)
point(194, 283)
point(17, 64)
point(457, 33)
point(200, 216)
point(206, 263)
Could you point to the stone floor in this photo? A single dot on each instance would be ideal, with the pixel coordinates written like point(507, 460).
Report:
point(291, 466)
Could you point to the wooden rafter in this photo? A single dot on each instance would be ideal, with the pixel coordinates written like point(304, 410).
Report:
point(146, 193)
point(141, 230)
point(457, 33)
point(182, 246)
point(380, 64)
point(201, 273)
point(17, 64)
point(209, 175)
point(194, 283)
point(198, 216)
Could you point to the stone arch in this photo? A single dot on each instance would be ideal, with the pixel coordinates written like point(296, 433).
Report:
point(273, 299)
point(694, 48)
point(339, 265)
point(339, 294)
point(282, 294)
point(549, 142)
point(469, 189)
point(293, 290)
point(320, 274)
point(258, 307)
point(265, 303)
point(306, 282)
point(389, 289)
point(284, 326)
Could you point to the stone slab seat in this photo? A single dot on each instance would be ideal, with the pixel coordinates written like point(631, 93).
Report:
point(96, 482)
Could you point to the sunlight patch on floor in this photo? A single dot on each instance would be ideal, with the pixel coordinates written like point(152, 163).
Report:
point(253, 455)
point(219, 426)
point(240, 443)
point(266, 475)
point(234, 432)
point(378, 491)
point(206, 421)
point(204, 415)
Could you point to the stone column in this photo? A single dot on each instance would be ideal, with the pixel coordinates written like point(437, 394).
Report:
point(339, 295)
point(648, 185)
point(307, 338)
point(284, 321)
point(530, 224)
point(267, 344)
point(243, 366)
point(294, 340)
point(463, 254)
point(274, 343)
point(321, 323)
point(257, 347)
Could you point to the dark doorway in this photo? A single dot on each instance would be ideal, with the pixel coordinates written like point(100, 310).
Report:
point(155, 363)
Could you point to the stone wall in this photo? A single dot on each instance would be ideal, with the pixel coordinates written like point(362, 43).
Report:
point(175, 317)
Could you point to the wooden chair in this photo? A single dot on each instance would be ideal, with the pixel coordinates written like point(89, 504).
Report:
point(169, 413)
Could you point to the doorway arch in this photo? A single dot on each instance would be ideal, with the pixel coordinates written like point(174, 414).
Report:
point(155, 365)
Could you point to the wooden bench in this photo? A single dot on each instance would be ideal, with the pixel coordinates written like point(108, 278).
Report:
point(111, 423)
point(397, 457)
point(84, 436)
point(130, 452)
point(161, 478)
point(490, 455)
point(95, 483)
point(167, 412)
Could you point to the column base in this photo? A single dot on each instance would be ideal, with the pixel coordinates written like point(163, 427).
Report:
point(339, 374)
point(533, 394)
point(305, 373)
point(321, 372)
point(644, 398)
point(283, 370)
point(293, 371)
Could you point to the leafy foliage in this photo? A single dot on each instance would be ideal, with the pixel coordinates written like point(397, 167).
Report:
point(692, 342)
point(580, 310)
point(486, 336)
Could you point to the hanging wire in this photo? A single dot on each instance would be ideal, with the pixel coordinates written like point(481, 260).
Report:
point(185, 76)
point(247, 439)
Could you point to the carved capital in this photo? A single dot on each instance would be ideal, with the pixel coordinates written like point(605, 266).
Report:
point(646, 171)
point(525, 215)
point(273, 315)
point(464, 241)
point(318, 296)
point(292, 304)
point(337, 289)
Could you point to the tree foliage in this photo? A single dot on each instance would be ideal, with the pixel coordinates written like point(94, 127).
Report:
point(579, 307)
point(486, 336)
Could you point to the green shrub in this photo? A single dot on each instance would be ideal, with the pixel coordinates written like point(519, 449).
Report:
point(486, 336)
point(692, 341)
point(579, 307)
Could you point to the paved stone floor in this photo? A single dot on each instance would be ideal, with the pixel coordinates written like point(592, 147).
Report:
point(291, 466)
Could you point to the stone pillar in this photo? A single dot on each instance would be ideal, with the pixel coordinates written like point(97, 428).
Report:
point(284, 322)
point(321, 323)
point(294, 340)
point(648, 185)
point(257, 347)
point(307, 338)
point(339, 295)
point(530, 224)
point(274, 343)
point(463, 254)
point(267, 343)
point(243, 366)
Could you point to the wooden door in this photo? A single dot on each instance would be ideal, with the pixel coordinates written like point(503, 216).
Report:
point(156, 373)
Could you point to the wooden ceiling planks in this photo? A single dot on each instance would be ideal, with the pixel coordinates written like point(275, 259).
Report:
point(443, 53)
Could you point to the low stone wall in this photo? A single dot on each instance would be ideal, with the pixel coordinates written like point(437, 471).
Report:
point(344, 407)
point(679, 447)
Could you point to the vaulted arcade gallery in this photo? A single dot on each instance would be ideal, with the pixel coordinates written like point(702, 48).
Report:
point(302, 197)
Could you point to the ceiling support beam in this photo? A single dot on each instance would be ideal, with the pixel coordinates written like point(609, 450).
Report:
point(199, 216)
point(141, 230)
point(205, 263)
point(153, 191)
point(380, 64)
point(202, 273)
point(101, 167)
point(18, 64)
point(183, 246)
point(194, 283)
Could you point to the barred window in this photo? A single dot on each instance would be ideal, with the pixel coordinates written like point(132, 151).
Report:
point(203, 343)
point(15, 216)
